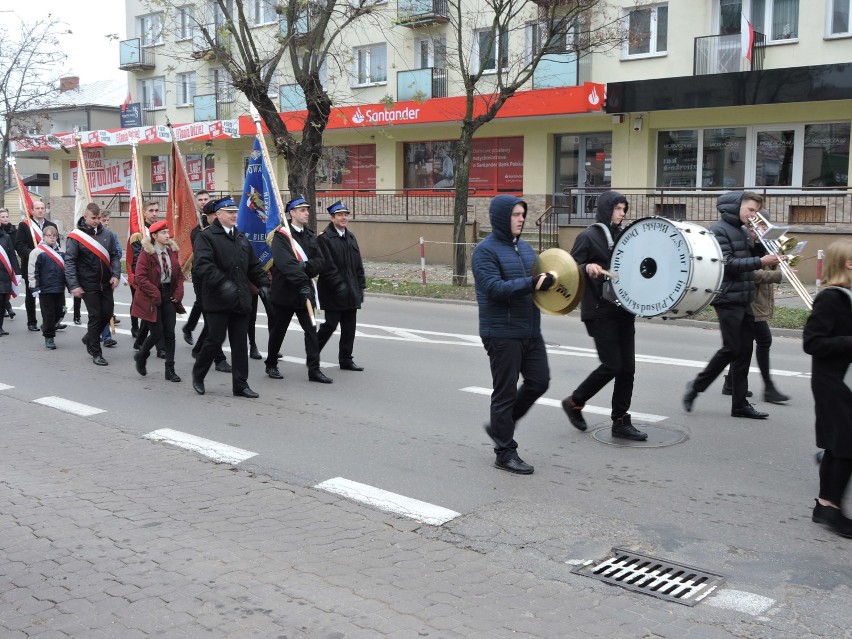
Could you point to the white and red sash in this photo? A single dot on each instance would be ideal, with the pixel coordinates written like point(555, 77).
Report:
point(7, 264)
point(300, 252)
point(36, 231)
point(53, 254)
point(92, 244)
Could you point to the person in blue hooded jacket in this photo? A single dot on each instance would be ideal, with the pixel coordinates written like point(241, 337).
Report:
point(510, 325)
point(733, 302)
point(611, 327)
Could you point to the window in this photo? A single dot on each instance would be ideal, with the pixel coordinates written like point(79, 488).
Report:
point(159, 173)
point(220, 85)
point(838, 17)
point(496, 164)
point(724, 157)
point(370, 64)
point(153, 92)
point(185, 88)
point(261, 12)
point(489, 48)
point(185, 23)
point(430, 52)
point(347, 167)
point(561, 36)
point(826, 159)
point(151, 29)
point(291, 97)
point(677, 158)
point(647, 31)
point(778, 19)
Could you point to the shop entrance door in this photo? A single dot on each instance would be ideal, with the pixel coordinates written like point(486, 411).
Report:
point(583, 163)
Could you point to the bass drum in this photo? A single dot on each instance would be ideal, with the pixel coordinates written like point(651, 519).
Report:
point(666, 268)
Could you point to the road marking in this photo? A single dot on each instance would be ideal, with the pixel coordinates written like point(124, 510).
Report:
point(740, 601)
point(75, 408)
point(216, 451)
point(389, 502)
point(597, 410)
point(5, 387)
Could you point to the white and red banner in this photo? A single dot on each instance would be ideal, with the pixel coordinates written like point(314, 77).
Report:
point(105, 175)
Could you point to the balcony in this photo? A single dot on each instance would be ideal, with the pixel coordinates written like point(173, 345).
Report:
point(301, 28)
point(201, 48)
point(421, 84)
point(723, 54)
point(134, 57)
point(212, 106)
point(557, 70)
point(422, 13)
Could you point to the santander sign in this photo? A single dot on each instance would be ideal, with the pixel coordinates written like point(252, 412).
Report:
point(380, 116)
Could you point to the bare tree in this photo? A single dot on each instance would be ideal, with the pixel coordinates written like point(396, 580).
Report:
point(306, 41)
point(491, 72)
point(30, 58)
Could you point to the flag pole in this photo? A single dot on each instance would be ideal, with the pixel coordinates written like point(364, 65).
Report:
point(12, 163)
point(140, 219)
point(77, 138)
point(255, 115)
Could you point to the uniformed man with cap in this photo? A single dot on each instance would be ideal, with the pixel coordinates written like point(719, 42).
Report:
point(293, 289)
point(341, 284)
point(227, 264)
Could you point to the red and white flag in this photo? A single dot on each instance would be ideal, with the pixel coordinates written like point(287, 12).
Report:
point(746, 37)
point(126, 103)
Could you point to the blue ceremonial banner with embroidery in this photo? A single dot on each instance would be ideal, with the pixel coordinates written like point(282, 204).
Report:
point(258, 214)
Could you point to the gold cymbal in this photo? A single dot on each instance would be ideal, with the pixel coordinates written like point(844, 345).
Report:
point(565, 295)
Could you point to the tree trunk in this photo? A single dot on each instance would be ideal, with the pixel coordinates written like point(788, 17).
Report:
point(461, 158)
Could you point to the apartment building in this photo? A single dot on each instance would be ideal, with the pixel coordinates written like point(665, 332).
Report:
point(702, 95)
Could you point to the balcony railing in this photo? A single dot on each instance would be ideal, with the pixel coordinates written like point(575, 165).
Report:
point(724, 54)
point(421, 84)
point(422, 13)
point(132, 56)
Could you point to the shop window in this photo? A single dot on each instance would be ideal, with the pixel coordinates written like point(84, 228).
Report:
point(826, 155)
point(159, 173)
point(347, 167)
point(496, 165)
point(724, 158)
point(677, 158)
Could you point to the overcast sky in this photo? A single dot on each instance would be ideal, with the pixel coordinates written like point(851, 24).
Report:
point(90, 54)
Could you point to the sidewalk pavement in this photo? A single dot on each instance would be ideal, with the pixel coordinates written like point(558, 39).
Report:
point(107, 534)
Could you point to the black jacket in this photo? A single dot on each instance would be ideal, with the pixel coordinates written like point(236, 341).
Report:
point(291, 278)
point(738, 282)
point(24, 242)
point(342, 282)
point(592, 247)
point(12, 231)
point(5, 280)
point(227, 265)
point(83, 268)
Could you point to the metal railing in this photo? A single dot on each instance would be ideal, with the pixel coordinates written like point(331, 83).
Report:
point(808, 206)
point(723, 54)
point(414, 84)
point(422, 12)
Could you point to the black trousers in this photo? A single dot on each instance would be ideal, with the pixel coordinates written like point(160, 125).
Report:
point(253, 322)
point(218, 325)
point(278, 330)
point(202, 339)
point(737, 328)
point(134, 321)
point(99, 306)
point(615, 341)
point(78, 302)
point(511, 359)
point(194, 316)
point(51, 312)
point(762, 344)
point(5, 298)
point(346, 320)
point(163, 330)
point(834, 474)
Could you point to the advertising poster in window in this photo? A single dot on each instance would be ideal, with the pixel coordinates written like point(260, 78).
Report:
point(195, 171)
point(347, 168)
point(496, 164)
point(677, 158)
point(159, 173)
point(210, 174)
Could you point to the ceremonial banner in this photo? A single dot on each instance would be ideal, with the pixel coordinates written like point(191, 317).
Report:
point(183, 214)
point(136, 228)
point(82, 195)
point(258, 214)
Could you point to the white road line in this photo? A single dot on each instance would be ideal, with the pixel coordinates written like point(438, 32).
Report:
point(597, 410)
point(216, 451)
point(5, 387)
point(389, 502)
point(75, 408)
point(740, 601)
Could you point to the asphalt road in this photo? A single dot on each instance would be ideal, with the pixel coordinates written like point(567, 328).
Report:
point(733, 498)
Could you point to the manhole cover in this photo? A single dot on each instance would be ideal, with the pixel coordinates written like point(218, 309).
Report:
point(656, 577)
point(657, 437)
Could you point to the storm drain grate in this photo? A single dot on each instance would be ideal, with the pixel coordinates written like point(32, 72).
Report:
point(652, 576)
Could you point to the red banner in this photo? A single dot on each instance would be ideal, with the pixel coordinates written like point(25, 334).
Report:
point(181, 206)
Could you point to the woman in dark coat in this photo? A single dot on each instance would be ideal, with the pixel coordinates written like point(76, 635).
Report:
point(9, 268)
point(11, 231)
point(159, 291)
point(828, 338)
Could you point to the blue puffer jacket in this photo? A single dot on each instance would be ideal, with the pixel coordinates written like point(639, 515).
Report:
point(501, 269)
point(45, 274)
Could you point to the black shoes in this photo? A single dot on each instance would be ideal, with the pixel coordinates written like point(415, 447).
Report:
point(61, 326)
point(77, 320)
point(689, 396)
point(833, 518)
point(85, 340)
point(773, 396)
point(187, 336)
point(254, 353)
point(575, 414)
point(98, 360)
point(223, 366)
point(49, 344)
point(319, 376)
point(726, 387)
point(11, 314)
point(247, 393)
point(198, 386)
point(33, 327)
point(161, 353)
point(351, 366)
point(749, 412)
point(134, 332)
point(514, 465)
point(622, 427)
point(110, 342)
point(171, 376)
point(141, 363)
point(3, 332)
point(273, 372)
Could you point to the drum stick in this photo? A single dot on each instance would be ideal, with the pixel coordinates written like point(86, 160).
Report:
point(611, 275)
point(311, 312)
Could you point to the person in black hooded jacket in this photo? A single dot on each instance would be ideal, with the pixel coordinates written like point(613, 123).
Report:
point(608, 324)
point(733, 302)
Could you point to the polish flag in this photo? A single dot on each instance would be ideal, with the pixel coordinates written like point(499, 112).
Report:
point(126, 102)
point(746, 36)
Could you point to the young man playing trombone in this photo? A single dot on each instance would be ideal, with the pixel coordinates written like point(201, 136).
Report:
point(733, 303)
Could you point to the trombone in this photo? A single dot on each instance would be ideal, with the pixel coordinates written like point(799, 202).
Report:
point(778, 244)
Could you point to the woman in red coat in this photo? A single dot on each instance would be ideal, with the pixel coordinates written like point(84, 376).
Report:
point(159, 291)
